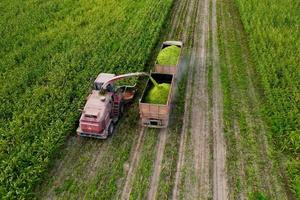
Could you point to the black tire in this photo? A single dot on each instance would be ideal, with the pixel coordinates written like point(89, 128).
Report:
point(111, 129)
point(121, 109)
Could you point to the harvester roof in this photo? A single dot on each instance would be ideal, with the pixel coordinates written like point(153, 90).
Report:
point(103, 77)
point(176, 43)
point(95, 105)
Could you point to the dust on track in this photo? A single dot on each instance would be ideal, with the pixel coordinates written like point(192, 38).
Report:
point(179, 11)
point(186, 117)
point(196, 115)
point(179, 8)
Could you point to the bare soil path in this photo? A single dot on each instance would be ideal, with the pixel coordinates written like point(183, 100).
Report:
point(200, 131)
point(196, 121)
point(220, 188)
point(193, 18)
point(196, 133)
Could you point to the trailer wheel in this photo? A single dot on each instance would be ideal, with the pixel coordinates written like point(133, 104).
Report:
point(111, 129)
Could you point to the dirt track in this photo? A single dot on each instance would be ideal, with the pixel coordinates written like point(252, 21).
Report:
point(220, 188)
point(196, 120)
point(201, 158)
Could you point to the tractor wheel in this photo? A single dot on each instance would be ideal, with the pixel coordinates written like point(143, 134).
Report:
point(111, 129)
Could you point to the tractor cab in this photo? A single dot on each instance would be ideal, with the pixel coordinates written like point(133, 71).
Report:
point(101, 79)
point(126, 91)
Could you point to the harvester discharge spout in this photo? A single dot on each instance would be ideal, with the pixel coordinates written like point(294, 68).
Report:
point(123, 76)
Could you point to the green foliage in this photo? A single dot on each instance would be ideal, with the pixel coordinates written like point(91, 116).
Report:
point(49, 50)
point(296, 187)
point(293, 168)
point(275, 46)
point(169, 55)
point(68, 185)
point(158, 94)
point(258, 196)
point(142, 178)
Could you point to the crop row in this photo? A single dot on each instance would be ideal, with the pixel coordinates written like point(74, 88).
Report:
point(275, 45)
point(51, 49)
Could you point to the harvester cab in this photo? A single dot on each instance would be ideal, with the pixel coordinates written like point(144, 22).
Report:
point(101, 79)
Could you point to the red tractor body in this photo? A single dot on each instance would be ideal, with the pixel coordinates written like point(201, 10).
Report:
point(96, 116)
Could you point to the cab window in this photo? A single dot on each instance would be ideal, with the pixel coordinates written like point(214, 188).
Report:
point(97, 86)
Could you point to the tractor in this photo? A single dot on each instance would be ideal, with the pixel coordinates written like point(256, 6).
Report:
point(105, 105)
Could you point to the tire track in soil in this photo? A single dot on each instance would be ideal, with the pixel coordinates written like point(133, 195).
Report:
point(236, 129)
point(174, 22)
point(190, 185)
point(183, 139)
point(187, 106)
point(133, 165)
point(220, 188)
point(200, 129)
point(158, 162)
point(243, 160)
point(198, 114)
point(60, 171)
point(163, 133)
point(176, 30)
